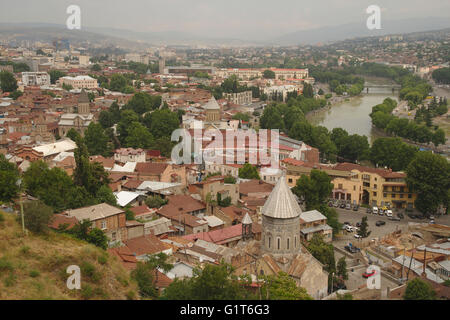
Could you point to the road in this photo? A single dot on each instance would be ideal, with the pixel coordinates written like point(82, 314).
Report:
point(376, 232)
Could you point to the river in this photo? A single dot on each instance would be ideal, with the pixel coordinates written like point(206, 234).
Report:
point(353, 114)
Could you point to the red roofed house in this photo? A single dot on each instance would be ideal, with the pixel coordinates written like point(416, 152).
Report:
point(228, 236)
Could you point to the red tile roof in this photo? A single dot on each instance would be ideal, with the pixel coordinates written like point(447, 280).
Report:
point(60, 219)
point(179, 204)
point(148, 244)
point(345, 166)
point(151, 168)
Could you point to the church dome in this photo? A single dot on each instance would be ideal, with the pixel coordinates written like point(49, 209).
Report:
point(212, 104)
point(281, 202)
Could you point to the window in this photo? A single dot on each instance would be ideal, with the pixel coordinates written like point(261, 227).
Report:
point(393, 195)
point(384, 195)
point(269, 241)
point(374, 194)
point(409, 195)
point(340, 186)
point(278, 243)
point(113, 236)
point(103, 225)
point(288, 243)
point(354, 188)
point(401, 195)
point(295, 241)
point(290, 180)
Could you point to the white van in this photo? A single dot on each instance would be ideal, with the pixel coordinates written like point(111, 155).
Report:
point(375, 210)
point(389, 213)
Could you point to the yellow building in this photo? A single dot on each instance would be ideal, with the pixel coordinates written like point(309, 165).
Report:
point(347, 184)
point(381, 187)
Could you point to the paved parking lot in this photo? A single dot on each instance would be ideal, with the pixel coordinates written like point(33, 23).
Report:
point(376, 232)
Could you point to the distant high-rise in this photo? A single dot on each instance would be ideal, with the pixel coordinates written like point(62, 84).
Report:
point(162, 65)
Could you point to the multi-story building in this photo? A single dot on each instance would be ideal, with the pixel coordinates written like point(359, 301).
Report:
point(35, 78)
point(382, 187)
point(125, 155)
point(239, 97)
point(79, 82)
point(347, 184)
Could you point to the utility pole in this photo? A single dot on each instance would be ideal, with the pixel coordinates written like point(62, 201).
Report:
point(19, 184)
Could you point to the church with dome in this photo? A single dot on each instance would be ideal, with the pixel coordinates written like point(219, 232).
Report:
point(280, 248)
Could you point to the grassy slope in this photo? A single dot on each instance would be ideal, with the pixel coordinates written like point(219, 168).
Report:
point(34, 267)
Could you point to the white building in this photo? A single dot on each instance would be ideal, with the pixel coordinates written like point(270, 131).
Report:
point(125, 155)
point(79, 82)
point(35, 79)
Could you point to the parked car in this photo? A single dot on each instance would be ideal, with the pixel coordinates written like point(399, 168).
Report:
point(342, 206)
point(412, 216)
point(330, 204)
point(351, 249)
point(358, 224)
point(400, 215)
point(368, 274)
point(380, 223)
point(375, 210)
point(357, 236)
point(348, 228)
point(431, 217)
point(388, 213)
point(346, 222)
point(355, 208)
point(348, 206)
point(432, 221)
point(336, 204)
point(420, 216)
point(368, 210)
point(380, 212)
point(394, 218)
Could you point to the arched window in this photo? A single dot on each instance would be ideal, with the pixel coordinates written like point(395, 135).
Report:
point(278, 243)
point(288, 243)
point(295, 242)
point(269, 241)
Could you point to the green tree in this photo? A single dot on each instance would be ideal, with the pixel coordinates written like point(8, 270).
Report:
point(144, 277)
point(392, 152)
point(37, 216)
point(418, 289)
point(428, 175)
point(105, 118)
point(96, 67)
point(248, 172)
point(155, 201)
point(214, 282)
point(96, 140)
point(162, 122)
point(342, 268)
point(98, 238)
point(322, 251)
point(7, 81)
point(272, 118)
point(117, 82)
point(268, 74)
point(55, 75)
point(308, 91)
point(438, 137)
point(143, 102)
point(364, 228)
point(314, 189)
point(139, 136)
point(9, 174)
point(127, 117)
point(282, 287)
point(105, 194)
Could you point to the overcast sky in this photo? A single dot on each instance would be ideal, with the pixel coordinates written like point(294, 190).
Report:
point(218, 18)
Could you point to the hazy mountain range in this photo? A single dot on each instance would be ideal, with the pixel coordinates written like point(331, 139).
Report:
point(127, 38)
